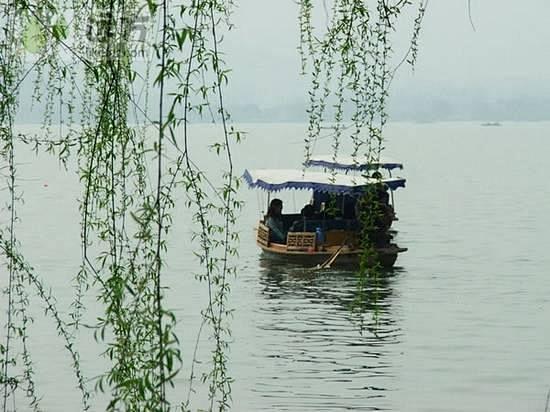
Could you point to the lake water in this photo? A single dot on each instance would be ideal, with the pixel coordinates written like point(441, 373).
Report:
point(462, 319)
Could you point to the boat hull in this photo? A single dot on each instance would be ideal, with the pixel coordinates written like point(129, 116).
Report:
point(386, 257)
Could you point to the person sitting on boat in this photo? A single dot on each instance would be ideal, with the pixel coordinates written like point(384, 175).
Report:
point(274, 221)
point(385, 210)
point(348, 208)
point(308, 213)
point(372, 209)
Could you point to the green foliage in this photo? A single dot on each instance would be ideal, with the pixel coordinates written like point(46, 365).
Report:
point(349, 62)
point(125, 216)
point(84, 64)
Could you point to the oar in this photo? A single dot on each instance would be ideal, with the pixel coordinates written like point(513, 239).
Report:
point(331, 260)
point(326, 264)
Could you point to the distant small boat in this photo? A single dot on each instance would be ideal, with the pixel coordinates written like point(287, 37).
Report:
point(491, 124)
point(323, 239)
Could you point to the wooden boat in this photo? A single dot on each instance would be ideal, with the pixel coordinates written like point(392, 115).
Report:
point(340, 241)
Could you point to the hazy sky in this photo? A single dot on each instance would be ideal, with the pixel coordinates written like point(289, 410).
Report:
point(500, 71)
point(507, 56)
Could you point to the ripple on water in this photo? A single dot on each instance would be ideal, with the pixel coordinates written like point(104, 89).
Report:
point(322, 355)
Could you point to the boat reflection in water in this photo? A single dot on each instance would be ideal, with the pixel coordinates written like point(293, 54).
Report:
point(327, 354)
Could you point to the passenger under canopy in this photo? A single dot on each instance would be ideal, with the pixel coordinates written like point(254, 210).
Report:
point(347, 163)
point(328, 228)
point(275, 180)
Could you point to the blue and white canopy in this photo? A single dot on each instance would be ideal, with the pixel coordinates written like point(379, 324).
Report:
point(274, 180)
point(349, 163)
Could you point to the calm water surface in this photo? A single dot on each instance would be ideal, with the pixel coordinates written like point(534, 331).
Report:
point(462, 320)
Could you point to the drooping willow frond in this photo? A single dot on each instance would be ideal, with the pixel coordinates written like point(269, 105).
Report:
point(89, 59)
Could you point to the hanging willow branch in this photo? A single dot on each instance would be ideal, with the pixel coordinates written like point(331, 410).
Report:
point(84, 64)
point(352, 57)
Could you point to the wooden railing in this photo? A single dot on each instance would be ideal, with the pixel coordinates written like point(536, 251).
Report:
point(263, 235)
point(302, 241)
